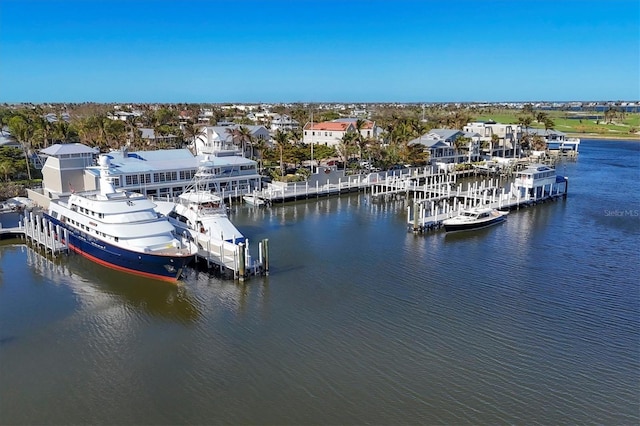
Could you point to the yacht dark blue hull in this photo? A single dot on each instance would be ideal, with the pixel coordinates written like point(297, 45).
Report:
point(156, 266)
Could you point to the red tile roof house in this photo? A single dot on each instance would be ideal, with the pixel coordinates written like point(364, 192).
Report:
point(328, 133)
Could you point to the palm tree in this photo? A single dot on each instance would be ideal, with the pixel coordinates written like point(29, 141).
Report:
point(524, 121)
point(538, 143)
point(20, 129)
point(260, 146)
point(191, 132)
point(358, 137)
point(234, 133)
point(244, 136)
point(494, 140)
point(61, 130)
point(461, 143)
point(281, 140)
point(346, 145)
point(6, 168)
point(541, 116)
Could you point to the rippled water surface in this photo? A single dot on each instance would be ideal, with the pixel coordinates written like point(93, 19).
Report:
point(536, 320)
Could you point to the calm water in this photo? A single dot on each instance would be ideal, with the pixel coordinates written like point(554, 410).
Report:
point(536, 320)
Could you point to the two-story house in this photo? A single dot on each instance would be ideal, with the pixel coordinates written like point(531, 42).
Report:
point(502, 144)
point(328, 133)
point(284, 123)
point(213, 139)
point(442, 147)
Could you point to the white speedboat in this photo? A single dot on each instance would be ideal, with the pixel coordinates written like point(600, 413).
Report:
point(253, 200)
point(474, 218)
point(200, 211)
point(121, 230)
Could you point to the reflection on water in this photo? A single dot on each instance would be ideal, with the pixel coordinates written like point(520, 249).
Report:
point(93, 282)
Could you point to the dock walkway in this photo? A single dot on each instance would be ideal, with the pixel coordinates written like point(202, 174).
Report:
point(428, 213)
point(37, 230)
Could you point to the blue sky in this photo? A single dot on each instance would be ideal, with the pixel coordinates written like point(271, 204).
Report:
point(318, 51)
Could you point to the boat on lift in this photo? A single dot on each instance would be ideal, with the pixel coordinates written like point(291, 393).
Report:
point(253, 200)
point(121, 230)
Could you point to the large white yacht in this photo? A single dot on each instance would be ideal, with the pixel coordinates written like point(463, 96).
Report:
point(121, 230)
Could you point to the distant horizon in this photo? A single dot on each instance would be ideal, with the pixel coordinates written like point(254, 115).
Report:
point(318, 51)
point(598, 101)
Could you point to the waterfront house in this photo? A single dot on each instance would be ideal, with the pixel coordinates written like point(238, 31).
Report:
point(328, 133)
point(441, 144)
point(504, 141)
point(557, 142)
point(151, 138)
point(168, 172)
point(283, 123)
point(369, 130)
point(7, 139)
point(213, 139)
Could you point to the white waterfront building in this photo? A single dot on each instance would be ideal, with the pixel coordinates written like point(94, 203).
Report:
point(214, 139)
point(73, 168)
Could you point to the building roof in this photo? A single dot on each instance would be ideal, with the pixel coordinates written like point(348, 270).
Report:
point(367, 124)
point(543, 132)
point(226, 136)
point(168, 159)
point(329, 125)
point(148, 161)
point(445, 134)
point(147, 133)
point(7, 139)
point(429, 142)
point(68, 148)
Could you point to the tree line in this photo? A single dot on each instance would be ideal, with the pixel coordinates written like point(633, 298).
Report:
point(38, 126)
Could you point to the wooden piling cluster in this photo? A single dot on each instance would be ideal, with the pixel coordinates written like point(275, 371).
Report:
point(231, 258)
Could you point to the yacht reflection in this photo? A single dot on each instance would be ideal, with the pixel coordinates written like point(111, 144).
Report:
point(91, 281)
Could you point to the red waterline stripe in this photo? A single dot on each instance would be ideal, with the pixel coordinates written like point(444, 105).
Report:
point(122, 268)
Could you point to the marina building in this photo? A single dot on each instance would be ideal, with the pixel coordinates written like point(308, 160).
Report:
point(73, 168)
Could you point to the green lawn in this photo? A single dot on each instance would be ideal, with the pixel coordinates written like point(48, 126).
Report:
point(626, 126)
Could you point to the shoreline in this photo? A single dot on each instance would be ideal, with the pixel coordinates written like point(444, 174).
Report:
point(634, 138)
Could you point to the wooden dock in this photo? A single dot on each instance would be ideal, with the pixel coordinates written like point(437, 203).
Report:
point(38, 231)
point(231, 257)
point(428, 213)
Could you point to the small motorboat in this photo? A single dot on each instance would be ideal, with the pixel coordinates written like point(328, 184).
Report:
point(474, 218)
point(253, 200)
